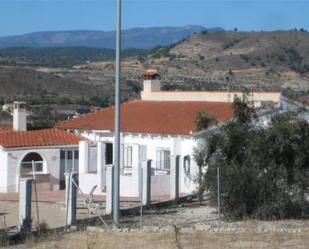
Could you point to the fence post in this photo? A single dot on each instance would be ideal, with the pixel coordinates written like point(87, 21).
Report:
point(174, 179)
point(109, 189)
point(83, 161)
point(71, 198)
point(101, 167)
point(25, 195)
point(218, 189)
point(141, 194)
point(147, 183)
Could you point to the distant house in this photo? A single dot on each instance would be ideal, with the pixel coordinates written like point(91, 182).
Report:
point(82, 110)
point(158, 127)
point(47, 153)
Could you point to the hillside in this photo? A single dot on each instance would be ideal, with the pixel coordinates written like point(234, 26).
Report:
point(223, 60)
point(143, 38)
point(54, 94)
point(203, 61)
point(257, 59)
point(59, 56)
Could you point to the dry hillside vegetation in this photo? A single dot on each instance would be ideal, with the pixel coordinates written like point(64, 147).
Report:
point(276, 58)
point(203, 61)
point(220, 60)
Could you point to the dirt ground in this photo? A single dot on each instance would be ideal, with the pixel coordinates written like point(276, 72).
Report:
point(51, 208)
point(169, 240)
point(185, 226)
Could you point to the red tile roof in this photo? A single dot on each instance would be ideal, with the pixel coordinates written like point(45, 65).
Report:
point(45, 137)
point(167, 117)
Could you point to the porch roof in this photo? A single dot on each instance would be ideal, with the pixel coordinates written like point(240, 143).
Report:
point(44, 137)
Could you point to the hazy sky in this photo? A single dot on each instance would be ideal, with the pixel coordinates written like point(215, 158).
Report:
point(23, 16)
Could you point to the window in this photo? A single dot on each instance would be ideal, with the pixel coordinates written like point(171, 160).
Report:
point(31, 162)
point(69, 160)
point(126, 158)
point(109, 153)
point(187, 165)
point(163, 159)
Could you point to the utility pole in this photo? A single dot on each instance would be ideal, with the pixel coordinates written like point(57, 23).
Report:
point(116, 177)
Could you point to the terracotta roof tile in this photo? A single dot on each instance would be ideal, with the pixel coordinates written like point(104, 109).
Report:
point(168, 117)
point(45, 137)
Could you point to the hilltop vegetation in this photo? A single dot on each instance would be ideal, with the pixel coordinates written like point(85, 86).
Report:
point(255, 59)
point(59, 56)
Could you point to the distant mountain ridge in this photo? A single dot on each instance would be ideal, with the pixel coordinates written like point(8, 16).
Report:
point(142, 38)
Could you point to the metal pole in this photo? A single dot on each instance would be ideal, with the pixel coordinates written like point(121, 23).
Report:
point(25, 193)
point(67, 190)
point(36, 196)
point(141, 196)
point(218, 188)
point(116, 179)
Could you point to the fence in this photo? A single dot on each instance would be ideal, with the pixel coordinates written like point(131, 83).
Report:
point(28, 210)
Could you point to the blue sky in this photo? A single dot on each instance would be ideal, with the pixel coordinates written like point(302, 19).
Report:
point(24, 16)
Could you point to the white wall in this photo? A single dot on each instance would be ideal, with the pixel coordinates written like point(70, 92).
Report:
point(10, 160)
point(89, 177)
point(87, 181)
point(3, 171)
point(51, 166)
point(129, 185)
point(209, 96)
point(160, 185)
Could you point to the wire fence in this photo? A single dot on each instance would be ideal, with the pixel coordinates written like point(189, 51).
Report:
point(49, 209)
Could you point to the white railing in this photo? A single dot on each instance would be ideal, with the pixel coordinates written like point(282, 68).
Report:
point(126, 170)
point(27, 167)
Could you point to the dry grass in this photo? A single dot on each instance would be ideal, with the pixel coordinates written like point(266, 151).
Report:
point(86, 240)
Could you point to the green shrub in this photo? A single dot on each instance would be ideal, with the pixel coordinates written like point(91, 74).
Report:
point(264, 172)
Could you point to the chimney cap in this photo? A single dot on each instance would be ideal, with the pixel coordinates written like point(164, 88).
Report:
point(152, 74)
point(19, 104)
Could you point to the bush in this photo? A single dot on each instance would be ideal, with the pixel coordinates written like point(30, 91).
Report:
point(264, 172)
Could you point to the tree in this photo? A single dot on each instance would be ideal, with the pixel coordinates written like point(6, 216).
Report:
point(264, 171)
point(202, 121)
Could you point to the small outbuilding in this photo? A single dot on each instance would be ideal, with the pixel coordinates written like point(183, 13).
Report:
point(45, 154)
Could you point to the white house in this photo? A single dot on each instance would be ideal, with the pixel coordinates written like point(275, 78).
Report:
point(47, 153)
point(158, 127)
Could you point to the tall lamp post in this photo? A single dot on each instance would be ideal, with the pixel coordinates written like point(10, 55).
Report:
point(116, 175)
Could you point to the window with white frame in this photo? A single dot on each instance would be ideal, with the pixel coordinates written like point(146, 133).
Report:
point(163, 159)
point(126, 157)
point(32, 162)
point(69, 160)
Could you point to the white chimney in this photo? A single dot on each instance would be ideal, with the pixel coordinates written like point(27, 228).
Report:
point(19, 116)
point(151, 83)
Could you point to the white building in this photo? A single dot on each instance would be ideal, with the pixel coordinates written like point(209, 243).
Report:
point(158, 127)
point(47, 153)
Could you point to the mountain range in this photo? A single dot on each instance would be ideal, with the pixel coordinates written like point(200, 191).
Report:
point(142, 38)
